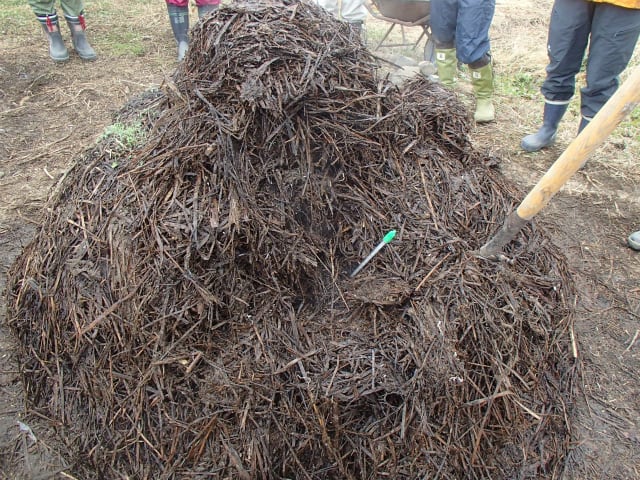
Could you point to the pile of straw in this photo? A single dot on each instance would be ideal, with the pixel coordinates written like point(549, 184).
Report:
point(186, 309)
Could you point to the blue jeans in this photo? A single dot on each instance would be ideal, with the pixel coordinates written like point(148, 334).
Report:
point(613, 32)
point(463, 25)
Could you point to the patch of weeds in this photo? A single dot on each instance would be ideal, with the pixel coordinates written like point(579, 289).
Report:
point(630, 127)
point(119, 139)
point(111, 12)
point(15, 15)
point(123, 43)
point(573, 110)
point(519, 84)
point(125, 136)
point(463, 72)
point(13, 3)
point(634, 118)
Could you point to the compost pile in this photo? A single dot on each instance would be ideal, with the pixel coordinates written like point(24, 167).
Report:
point(187, 311)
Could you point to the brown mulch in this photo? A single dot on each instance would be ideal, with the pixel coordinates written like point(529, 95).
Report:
point(187, 311)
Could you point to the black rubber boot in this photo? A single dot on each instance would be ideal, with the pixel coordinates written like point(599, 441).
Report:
point(179, 18)
point(81, 45)
point(546, 135)
point(57, 51)
point(204, 9)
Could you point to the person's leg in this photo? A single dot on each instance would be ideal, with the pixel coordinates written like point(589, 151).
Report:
point(443, 18)
point(72, 7)
point(614, 35)
point(74, 15)
point(569, 31)
point(353, 11)
point(206, 6)
point(43, 7)
point(46, 14)
point(179, 18)
point(472, 46)
point(472, 29)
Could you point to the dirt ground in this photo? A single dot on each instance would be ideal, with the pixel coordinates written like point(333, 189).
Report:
point(49, 114)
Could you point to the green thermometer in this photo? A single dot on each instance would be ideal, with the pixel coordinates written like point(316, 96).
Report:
point(387, 238)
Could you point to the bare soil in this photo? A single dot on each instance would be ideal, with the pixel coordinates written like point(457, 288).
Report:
point(50, 113)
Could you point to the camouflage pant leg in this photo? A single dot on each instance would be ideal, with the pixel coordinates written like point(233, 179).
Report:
point(71, 8)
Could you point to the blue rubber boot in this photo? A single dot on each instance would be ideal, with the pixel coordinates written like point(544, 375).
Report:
point(634, 240)
point(546, 135)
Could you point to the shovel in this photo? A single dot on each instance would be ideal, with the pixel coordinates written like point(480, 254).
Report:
point(572, 159)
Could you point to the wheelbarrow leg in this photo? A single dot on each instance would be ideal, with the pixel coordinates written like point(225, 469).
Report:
point(415, 45)
point(385, 36)
point(429, 45)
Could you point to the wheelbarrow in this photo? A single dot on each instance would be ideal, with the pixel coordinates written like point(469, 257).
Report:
point(404, 13)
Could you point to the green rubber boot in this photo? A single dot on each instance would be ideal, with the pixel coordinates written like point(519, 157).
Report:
point(447, 65)
point(482, 81)
point(57, 51)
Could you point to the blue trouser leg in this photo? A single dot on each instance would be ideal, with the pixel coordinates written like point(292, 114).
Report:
point(614, 36)
point(569, 31)
point(613, 31)
point(472, 32)
point(463, 24)
point(443, 19)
